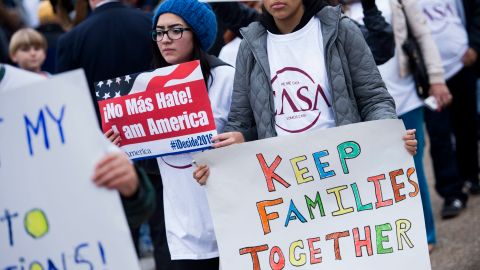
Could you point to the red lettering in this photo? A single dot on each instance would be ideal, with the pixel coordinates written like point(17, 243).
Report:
point(269, 172)
point(411, 171)
point(254, 253)
point(378, 191)
point(367, 242)
point(314, 251)
point(336, 245)
point(397, 187)
point(281, 259)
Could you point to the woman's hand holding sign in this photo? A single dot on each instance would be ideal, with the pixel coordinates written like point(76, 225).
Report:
point(227, 138)
point(411, 142)
point(115, 171)
point(202, 172)
point(113, 137)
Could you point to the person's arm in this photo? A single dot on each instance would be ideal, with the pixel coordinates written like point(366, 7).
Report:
point(378, 33)
point(472, 8)
point(116, 172)
point(64, 58)
point(372, 98)
point(421, 32)
point(140, 207)
point(240, 118)
point(431, 55)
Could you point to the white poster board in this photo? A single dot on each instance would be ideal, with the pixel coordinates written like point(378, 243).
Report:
point(337, 199)
point(52, 216)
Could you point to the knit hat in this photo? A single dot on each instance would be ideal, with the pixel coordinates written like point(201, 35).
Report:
point(199, 16)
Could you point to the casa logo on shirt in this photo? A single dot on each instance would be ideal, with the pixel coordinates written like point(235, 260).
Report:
point(175, 163)
point(441, 14)
point(299, 100)
point(179, 162)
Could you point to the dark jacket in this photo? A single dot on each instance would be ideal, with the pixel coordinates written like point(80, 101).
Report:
point(230, 16)
point(140, 206)
point(472, 16)
point(358, 91)
point(113, 41)
point(234, 15)
point(378, 34)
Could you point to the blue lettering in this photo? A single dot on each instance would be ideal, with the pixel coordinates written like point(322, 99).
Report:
point(322, 165)
point(36, 129)
point(79, 258)
point(58, 121)
point(8, 218)
point(293, 210)
point(102, 253)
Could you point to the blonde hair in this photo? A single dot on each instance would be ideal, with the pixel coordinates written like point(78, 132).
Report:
point(46, 14)
point(27, 37)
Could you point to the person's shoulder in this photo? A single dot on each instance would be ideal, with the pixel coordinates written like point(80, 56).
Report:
point(253, 31)
point(135, 13)
point(222, 75)
point(224, 70)
point(348, 26)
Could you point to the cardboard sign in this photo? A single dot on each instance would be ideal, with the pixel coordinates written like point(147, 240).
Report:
point(162, 112)
point(341, 198)
point(52, 216)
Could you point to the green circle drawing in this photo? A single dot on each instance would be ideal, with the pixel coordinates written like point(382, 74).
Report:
point(36, 223)
point(35, 266)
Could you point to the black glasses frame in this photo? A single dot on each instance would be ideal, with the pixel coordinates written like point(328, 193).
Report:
point(157, 35)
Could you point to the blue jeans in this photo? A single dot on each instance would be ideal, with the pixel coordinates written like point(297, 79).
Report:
point(414, 120)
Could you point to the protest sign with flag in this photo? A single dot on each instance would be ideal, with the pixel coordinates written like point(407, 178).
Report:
point(156, 113)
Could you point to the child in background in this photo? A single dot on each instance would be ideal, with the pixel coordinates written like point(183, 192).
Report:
point(28, 50)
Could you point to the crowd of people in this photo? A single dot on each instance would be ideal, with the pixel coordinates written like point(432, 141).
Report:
point(357, 53)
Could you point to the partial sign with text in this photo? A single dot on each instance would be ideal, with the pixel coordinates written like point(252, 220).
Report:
point(52, 215)
point(341, 198)
point(165, 111)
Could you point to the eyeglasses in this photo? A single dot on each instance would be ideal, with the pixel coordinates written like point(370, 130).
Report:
point(173, 33)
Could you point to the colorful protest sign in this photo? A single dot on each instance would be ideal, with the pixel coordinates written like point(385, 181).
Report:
point(52, 216)
point(341, 198)
point(160, 112)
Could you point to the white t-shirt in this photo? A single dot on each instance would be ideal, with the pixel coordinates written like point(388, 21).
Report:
point(401, 89)
point(229, 52)
point(301, 89)
point(188, 223)
point(448, 32)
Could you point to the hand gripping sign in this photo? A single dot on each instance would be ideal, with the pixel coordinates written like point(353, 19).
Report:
point(156, 113)
point(341, 198)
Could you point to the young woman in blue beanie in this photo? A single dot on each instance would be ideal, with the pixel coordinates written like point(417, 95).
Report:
point(182, 31)
point(303, 67)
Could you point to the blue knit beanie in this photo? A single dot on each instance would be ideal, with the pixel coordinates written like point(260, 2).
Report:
point(199, 17)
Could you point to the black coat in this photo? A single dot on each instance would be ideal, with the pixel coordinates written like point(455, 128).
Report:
point(472, 15)
point(378, 34)
point(113, 41)
point(230, 16)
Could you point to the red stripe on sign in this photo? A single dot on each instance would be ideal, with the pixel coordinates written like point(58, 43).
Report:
point(181, 72)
